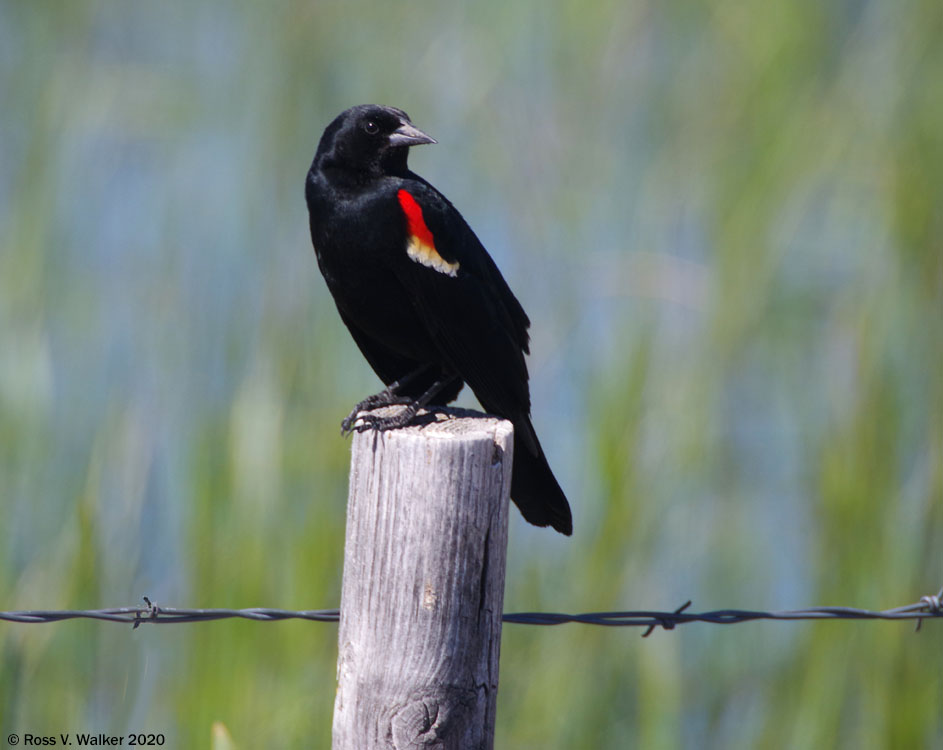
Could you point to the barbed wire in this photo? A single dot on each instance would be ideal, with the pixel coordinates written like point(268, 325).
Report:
point(930, 606)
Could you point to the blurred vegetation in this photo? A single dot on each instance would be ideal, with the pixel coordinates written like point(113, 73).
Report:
point(735, 212)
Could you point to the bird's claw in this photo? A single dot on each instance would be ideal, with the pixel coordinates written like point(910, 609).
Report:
point(359, 422)
point(348, 422)
point(384, 398)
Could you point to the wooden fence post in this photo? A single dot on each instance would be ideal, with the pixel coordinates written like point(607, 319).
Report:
point(423, 588)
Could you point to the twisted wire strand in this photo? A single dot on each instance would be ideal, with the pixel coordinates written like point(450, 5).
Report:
point(928, 607)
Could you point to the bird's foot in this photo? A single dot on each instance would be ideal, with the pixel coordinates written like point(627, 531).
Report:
point(390, 397)
point(364, 422)
point(350, 422)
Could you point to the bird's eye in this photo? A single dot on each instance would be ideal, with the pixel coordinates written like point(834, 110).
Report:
point(371, 127)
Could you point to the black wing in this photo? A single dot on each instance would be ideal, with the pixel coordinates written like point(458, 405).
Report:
point(473, 317)
point(480, 331)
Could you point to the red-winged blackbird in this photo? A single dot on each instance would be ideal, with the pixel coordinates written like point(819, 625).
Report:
point(422, 298)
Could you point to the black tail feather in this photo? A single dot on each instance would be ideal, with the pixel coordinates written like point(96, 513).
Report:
point(534, 489)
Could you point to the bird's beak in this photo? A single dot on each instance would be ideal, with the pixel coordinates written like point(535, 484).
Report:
point(408, 134)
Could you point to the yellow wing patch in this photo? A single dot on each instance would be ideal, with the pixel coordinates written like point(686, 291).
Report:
point(420, 252)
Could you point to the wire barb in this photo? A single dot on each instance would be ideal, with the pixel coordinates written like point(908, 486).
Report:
point(667, 625)
point(934, 605)
point(930, 606)
point(151, 612)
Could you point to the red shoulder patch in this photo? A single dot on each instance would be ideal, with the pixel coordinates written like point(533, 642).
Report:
point(420, 244)
point(416, 224)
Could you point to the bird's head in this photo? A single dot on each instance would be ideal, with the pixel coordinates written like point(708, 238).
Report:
point(370, 138)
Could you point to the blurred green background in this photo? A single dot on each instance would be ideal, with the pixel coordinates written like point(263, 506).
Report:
point(726, 222)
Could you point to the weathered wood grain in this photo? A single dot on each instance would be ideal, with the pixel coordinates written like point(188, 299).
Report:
point(423, 587)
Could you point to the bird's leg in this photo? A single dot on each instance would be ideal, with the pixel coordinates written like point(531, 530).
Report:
point(387, 397)
point(369, 421)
